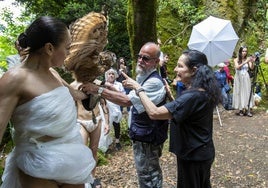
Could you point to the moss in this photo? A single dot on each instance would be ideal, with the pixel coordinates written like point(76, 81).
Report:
point(102, 159)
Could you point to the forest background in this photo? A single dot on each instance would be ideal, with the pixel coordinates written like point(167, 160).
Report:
point(134, 22)
point(172, 22)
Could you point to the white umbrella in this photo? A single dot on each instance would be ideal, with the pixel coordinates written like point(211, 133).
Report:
point(214, 37)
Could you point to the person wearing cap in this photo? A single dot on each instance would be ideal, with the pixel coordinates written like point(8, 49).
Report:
point(223, 84)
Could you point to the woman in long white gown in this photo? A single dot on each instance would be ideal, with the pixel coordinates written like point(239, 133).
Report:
point(49, 151)
point(242, 94)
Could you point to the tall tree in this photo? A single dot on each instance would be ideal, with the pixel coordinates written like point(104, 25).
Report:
point(141, 23)
point(70, 10)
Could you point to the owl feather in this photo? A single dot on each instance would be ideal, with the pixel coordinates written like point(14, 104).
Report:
point(86, 58)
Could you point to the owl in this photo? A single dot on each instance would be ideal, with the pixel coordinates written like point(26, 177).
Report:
point(86, 58)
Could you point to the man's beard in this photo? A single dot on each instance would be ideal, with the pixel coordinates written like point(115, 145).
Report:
point(140, 71)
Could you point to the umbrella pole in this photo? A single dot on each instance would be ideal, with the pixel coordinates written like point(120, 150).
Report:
point(219, 115)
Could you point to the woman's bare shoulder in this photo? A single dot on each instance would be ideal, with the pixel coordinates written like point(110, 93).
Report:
point(13, 77)
point(11, 86)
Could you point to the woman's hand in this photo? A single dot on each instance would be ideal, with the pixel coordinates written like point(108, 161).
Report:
point(106, 129)
point(249, 59)
point(130, 83)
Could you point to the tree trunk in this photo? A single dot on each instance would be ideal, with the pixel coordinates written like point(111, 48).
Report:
point(141, 24)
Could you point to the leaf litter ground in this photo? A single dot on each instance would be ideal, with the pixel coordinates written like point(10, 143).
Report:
point(241, 156)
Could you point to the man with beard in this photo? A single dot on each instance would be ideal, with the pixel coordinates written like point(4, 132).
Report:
point(147, 135)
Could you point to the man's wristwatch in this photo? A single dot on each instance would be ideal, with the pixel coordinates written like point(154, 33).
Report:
point(100, 90)
point(139, 90)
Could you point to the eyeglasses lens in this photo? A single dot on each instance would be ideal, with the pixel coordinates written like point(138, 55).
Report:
point(144, 58)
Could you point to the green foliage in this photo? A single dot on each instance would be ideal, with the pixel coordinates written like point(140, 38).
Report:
point(124, 131)
point(41, 7)
point(5, 48)
point(3, 66)
point(262, 77)
point(70, 10)
point(254, 35)
point(6, 146)
point(13, 25)
point(175, 21)
point(118, 36)
point(67, 76)
point(9, 33)
point(7, 142)
point(141, 23)
point(177, 17)
point(264, 101)
point(102, 158)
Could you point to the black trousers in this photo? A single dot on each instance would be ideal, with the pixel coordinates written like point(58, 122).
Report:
point(193, 174)
point(116, 130)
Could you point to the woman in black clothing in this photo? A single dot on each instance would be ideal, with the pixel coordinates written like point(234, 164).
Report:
point(192, 113)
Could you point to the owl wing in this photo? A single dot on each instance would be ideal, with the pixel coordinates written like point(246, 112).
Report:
point(88, 39)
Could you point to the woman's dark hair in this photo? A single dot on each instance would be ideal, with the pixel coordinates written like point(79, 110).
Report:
point(43, 30)
point(204, 76)
point(240, 54)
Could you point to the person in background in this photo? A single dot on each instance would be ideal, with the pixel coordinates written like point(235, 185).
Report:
point(90, 123)
point(123, 68)
point(161, 56)
point(163, 67)
point(258, 89)
point(178, 86)
point(164, 74)
point(191, 134)
point(222, 78)
point(13, 60)
point(243, 99)
point(49, 150)
point(115, 114)
point(148, 135)
point(257, 94)
point(230, 78)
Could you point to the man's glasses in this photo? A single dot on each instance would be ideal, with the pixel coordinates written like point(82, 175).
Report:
point(145, 58)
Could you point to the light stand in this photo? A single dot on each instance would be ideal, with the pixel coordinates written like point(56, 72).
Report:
point(257, 69)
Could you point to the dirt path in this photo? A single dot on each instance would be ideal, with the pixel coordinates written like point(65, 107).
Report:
point(241, 156)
